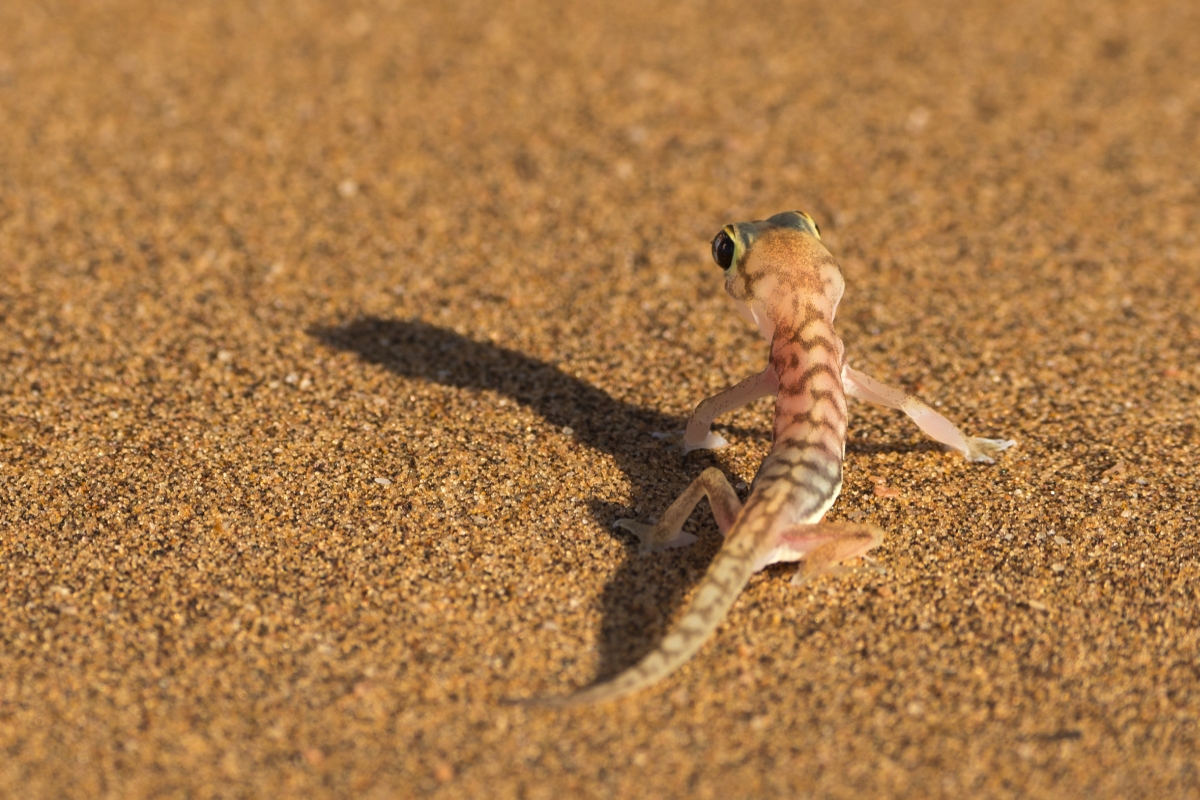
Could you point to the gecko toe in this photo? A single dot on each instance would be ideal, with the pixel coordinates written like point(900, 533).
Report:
point(713, 441)
point(649, 538)
point(984, 449)
point(682, 539)
point(678, 439)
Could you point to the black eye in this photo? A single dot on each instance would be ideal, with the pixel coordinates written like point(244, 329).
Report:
point(722, 247)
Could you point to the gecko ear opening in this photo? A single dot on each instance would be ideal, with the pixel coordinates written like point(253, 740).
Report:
point(722, 250)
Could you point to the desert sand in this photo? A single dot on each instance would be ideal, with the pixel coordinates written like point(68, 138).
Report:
point(333, 338)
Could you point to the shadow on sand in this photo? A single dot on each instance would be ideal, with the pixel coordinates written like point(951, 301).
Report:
point(632, 626)
point(419, 350)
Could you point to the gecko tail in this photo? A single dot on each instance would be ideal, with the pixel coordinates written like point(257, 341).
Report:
point(728, 574)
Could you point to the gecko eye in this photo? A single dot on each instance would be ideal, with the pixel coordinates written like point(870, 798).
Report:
point(722, 250)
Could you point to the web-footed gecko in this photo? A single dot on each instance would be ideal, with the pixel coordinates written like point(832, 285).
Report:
point(783, 279)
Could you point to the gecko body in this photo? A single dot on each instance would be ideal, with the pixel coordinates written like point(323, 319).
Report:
point(783, 279)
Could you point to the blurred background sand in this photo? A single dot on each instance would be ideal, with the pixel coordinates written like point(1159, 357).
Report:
point(332, 339)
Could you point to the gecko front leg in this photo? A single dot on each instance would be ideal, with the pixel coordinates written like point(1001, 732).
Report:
point(937, 427)
point(668, 532)
point(699, 435)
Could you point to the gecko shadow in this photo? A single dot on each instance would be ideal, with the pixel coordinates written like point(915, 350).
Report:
point(637, 600)
point(639, 597)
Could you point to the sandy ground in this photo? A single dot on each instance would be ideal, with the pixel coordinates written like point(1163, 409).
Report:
point(332, 340)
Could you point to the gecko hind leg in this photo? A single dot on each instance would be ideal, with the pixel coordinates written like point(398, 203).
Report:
point(820, 548)
point(668, 532)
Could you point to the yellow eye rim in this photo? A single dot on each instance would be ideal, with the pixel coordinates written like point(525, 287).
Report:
point(816, 229)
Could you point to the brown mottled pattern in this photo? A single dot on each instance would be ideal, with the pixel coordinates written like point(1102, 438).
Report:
point(776, 247)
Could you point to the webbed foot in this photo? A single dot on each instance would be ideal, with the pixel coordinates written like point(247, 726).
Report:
point(711, 441)
point(985, 450)
point(651, 538)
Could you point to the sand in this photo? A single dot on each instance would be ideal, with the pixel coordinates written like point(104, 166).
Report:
point(333, 338)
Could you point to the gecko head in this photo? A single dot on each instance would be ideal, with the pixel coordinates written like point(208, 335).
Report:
point(769, 262)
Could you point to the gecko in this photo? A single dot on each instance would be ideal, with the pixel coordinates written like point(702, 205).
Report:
point(783, 280)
